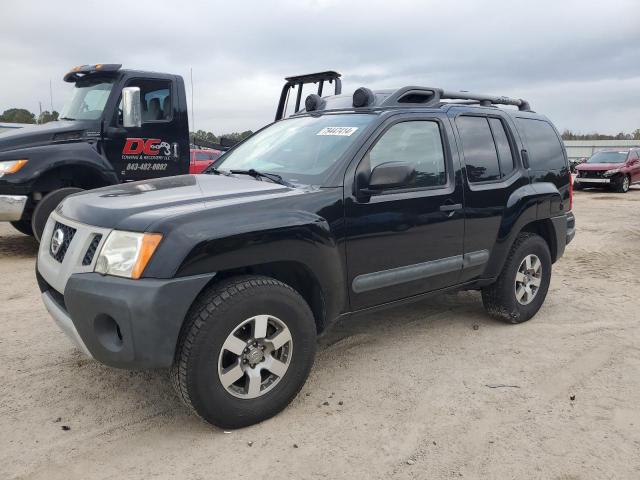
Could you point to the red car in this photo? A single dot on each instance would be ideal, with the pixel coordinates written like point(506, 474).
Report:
point(201, 158)
point(616, 169)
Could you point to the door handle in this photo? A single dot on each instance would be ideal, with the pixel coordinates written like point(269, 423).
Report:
point(450, 207)
point(175, 151)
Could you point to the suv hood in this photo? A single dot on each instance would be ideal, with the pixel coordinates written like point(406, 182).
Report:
point(135, 206)
point(37, 135)
point(590, 167)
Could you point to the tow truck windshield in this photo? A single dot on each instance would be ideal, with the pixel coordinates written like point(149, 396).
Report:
point(300, 149)
point(87, 100)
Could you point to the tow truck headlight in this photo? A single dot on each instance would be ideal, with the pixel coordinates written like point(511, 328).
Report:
point(608, 173)
point(126, 254)
point(11, 166)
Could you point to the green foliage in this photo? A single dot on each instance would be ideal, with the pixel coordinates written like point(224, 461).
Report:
point(47, 116)
point(569, 135)
point(17, 115)
point(212, 138)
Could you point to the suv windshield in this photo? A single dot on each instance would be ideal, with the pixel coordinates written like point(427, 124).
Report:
point(609, 157)
point(301, 150)
point(87, 100)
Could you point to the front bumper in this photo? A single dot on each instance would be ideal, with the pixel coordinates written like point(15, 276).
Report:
point(12, 207)
point(593, 181)
point(121, 322)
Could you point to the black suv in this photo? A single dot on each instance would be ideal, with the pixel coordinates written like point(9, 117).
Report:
point(351, 204)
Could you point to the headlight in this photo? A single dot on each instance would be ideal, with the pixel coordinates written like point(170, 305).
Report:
point(12, 166)
point(608, 173)
point(126, 254)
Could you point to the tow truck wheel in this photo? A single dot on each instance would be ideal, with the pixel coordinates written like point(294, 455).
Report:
point(47, 205)
point(245, 351)
point(23, 226)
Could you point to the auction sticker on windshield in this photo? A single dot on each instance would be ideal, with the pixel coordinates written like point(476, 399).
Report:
point(338, 131)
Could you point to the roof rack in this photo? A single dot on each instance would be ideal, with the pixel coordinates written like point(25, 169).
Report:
point(301, 80)
point(432, 96)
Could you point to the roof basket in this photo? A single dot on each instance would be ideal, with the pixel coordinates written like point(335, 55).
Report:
point(301, 80)
point(433, 96)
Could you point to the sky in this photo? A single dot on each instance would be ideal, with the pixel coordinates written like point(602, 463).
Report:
point(578, 62)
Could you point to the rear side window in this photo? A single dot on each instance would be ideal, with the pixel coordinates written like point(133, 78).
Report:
point(505, 153)
point(543, 145)
point(480, 154)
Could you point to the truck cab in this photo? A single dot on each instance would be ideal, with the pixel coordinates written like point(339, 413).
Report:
point(118, 126)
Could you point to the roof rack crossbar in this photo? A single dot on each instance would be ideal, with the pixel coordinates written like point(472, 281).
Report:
point(299, 81)
point(486, 100)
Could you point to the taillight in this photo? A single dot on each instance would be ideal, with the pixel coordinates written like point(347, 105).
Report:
point(570, 191)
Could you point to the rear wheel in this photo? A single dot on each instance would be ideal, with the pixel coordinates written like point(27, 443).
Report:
point(47, 205)
point(522, 286)
point(245, 351)
point(23, 226)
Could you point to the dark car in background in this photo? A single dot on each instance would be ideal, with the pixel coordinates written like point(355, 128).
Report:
point(614, 169)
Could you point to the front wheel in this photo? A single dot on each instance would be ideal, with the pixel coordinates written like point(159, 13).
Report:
point(23, 226)
point(245, 351)
point(522, 286)
point(623, 184)
point(47, 205)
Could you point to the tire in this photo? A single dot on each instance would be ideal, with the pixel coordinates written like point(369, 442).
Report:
point(213, 318)
point(500, 299)
point(623, 185)
point(47, 205)
point(23, 226)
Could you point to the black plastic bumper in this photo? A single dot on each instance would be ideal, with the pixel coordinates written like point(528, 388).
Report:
point(128, 323)
point(564, 228)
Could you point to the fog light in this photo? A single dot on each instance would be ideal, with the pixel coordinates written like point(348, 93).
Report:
point(108, 333)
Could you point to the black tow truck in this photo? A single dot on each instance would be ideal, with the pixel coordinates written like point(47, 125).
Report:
point(353, 203)
point(118, 126)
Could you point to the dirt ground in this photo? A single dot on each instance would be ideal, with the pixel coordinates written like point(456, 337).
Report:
point(411, 392)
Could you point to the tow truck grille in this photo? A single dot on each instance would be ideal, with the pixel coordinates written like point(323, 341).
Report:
point(91, 251)
point(68, 234)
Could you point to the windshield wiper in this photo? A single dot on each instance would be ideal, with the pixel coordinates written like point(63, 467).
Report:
point(256, 174)
point(66, 118)
point(215, 171)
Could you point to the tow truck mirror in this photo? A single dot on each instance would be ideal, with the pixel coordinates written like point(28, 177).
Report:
point(131, 107)
point(390, 175)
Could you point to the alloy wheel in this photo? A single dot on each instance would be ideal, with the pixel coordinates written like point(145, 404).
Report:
point(528, 279)
point(255, 356)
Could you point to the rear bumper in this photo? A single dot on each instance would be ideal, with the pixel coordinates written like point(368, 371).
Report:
point(121, 322)
point(564, 227)
point(12, 207)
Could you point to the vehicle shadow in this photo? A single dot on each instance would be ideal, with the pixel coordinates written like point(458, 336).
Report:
point(17, 245)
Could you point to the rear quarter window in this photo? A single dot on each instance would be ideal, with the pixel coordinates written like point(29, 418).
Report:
point(544, 147)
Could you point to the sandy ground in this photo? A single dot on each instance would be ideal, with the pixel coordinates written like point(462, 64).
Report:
point(413, 386)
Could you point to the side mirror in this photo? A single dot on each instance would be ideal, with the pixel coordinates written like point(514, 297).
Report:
point(131, 107)
point(390, 175)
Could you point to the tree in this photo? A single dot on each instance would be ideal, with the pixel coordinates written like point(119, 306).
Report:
point(636, 134)
point(17, 115)
point(46, 117)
